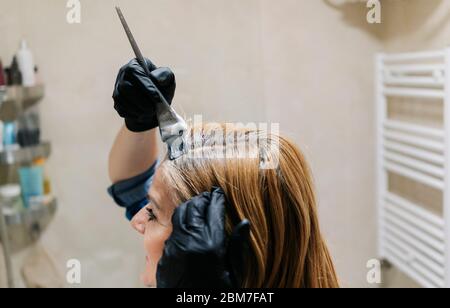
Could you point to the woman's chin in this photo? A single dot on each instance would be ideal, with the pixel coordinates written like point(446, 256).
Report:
point(146, 281)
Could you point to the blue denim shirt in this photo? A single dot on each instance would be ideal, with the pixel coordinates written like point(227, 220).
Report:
point(131, 194)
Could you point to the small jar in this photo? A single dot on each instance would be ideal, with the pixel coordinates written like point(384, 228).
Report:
point(10, 196)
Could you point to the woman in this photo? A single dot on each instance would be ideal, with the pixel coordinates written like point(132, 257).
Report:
point(214, 217)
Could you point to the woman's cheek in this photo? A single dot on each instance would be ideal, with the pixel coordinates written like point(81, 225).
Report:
point(155, 238)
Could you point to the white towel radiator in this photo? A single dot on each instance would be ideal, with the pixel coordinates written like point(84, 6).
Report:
point(412, 237)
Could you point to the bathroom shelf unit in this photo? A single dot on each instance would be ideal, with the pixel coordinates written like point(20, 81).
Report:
point(14, 100)
point(412, 237)
point(19, 230)
point(25, 155)
point(25, 228)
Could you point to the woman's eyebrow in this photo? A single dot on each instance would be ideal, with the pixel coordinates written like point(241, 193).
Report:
point(152, 200)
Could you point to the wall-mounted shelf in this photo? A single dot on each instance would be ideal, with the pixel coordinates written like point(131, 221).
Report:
point(25, 155)
point(19, 230)
point(26, 227)
point(14, 100)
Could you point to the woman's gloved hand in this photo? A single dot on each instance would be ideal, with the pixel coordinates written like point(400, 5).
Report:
point(135, 97)
point(199, 254)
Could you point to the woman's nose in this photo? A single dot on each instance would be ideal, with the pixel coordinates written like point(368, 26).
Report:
point(139, 221)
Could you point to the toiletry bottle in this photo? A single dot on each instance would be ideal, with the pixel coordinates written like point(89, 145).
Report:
point(7, 75)
point(9, 135)
point(46, 185)
point(14, 74)
point(2, 75)
point(10, 196)
point(28, 128)
point(31, 183)
point(1, 136)
point(26, 65)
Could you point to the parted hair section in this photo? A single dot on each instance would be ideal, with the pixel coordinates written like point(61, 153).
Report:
point(266, 180)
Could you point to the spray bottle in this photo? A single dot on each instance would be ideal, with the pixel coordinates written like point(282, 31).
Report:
point(26, 65)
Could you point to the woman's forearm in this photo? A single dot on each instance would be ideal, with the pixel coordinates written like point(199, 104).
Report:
point(132, 154)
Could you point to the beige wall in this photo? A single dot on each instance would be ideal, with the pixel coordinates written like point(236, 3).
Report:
point(213, 46)
point(416, 25)
point(319, 86)
point(298, 62)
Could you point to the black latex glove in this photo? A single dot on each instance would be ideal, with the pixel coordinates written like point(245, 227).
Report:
point(135, 98)
point(199, 254)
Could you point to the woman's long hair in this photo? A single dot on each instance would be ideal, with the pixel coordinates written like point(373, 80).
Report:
point(286, 245)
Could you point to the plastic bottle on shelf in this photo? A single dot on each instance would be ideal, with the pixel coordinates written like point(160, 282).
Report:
point(26, 65)
point(10, 197)
point(2, 75)
point(9, 135)
point(13, 74)
point(31, 182)
point(46, 183)
point(1, 135)
point(38, 185)
point(28, 128)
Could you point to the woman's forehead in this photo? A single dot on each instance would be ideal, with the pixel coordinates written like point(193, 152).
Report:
point(157, 186)
point(159, 191)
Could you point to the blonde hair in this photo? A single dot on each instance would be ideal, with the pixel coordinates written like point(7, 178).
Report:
point(286, 245)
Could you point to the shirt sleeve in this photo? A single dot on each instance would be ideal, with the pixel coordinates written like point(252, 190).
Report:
point(131, 194)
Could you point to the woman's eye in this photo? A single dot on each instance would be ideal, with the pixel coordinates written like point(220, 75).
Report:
point(151, 215)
